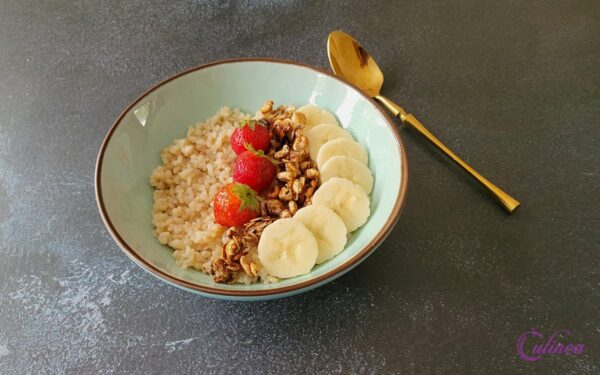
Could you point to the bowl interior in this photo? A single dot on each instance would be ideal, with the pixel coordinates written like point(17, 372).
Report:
point(132, 151)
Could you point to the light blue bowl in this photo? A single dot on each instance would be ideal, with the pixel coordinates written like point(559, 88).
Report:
point(131, 150)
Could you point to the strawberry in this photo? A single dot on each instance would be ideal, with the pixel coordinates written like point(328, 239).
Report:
point(235, 204)
point(254, 169)
point(250, 132)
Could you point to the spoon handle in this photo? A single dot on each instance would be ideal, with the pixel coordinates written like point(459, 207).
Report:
point(508, 202)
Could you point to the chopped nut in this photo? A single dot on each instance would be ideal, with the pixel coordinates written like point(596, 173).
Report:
point(275, 207)
point(284, 176)
point(298, 132)
point(281, 128)
point(314, 183)
point(299, 118)
point(285, 214)
point(306, 165)
point(218, 262)
point(285, 194)
point(233, 266)
point(297, 187)
point(267, 107)
point(287, 123)
point(312, 173)
point(310, 191)
point(219, 272)
point(293, 207)
point(284, 123)
point(254, 268)
point(232, 248)
point(245, 265)
point(295, 157)
point(300, 143)
point(282, 153)
point(292, 168)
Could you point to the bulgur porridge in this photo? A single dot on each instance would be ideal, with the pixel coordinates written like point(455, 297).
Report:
point(258, 198)
point(192, 170)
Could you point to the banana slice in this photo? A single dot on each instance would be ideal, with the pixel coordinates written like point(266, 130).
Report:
point(327, 227)
point(346, 199)
point(315, 116)
point(350, 169)
point(342, 146)
point(321, 134)
point(287, 249)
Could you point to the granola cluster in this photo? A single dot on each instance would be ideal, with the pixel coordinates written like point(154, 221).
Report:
point(297, 179)
point(235, 253)
point(297, 175)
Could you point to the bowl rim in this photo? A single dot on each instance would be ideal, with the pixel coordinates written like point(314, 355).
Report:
point(337, 271)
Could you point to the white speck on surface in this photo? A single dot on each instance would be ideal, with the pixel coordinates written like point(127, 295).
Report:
point(4, 350)
point(174, 345)
point(123, 278)
point(105, 301)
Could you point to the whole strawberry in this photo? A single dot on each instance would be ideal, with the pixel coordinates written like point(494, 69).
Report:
point(250, 132)
point(254, 169)
point(235, 204)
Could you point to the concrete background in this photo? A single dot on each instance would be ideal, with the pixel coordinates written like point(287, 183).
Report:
point(512, 86)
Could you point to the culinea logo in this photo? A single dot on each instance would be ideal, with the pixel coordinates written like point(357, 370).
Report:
point(532, 345)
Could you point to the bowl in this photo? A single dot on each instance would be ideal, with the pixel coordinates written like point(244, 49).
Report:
point(131, 150)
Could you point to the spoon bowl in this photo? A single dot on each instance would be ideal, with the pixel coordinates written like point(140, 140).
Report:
point(351, 62)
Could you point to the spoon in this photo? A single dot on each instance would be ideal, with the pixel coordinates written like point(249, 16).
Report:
point(351, 62)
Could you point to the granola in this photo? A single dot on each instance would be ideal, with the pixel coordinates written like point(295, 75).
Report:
point(238, 243)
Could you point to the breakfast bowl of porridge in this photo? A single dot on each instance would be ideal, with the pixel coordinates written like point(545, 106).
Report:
point(251, 179)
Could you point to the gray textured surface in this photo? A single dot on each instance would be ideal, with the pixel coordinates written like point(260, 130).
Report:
point(512, 86)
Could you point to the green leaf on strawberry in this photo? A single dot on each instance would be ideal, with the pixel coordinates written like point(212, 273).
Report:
point(250, 123)
point(247, 196)
point(260, 153)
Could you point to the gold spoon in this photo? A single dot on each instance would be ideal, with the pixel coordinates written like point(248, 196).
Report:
point(353, 63)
